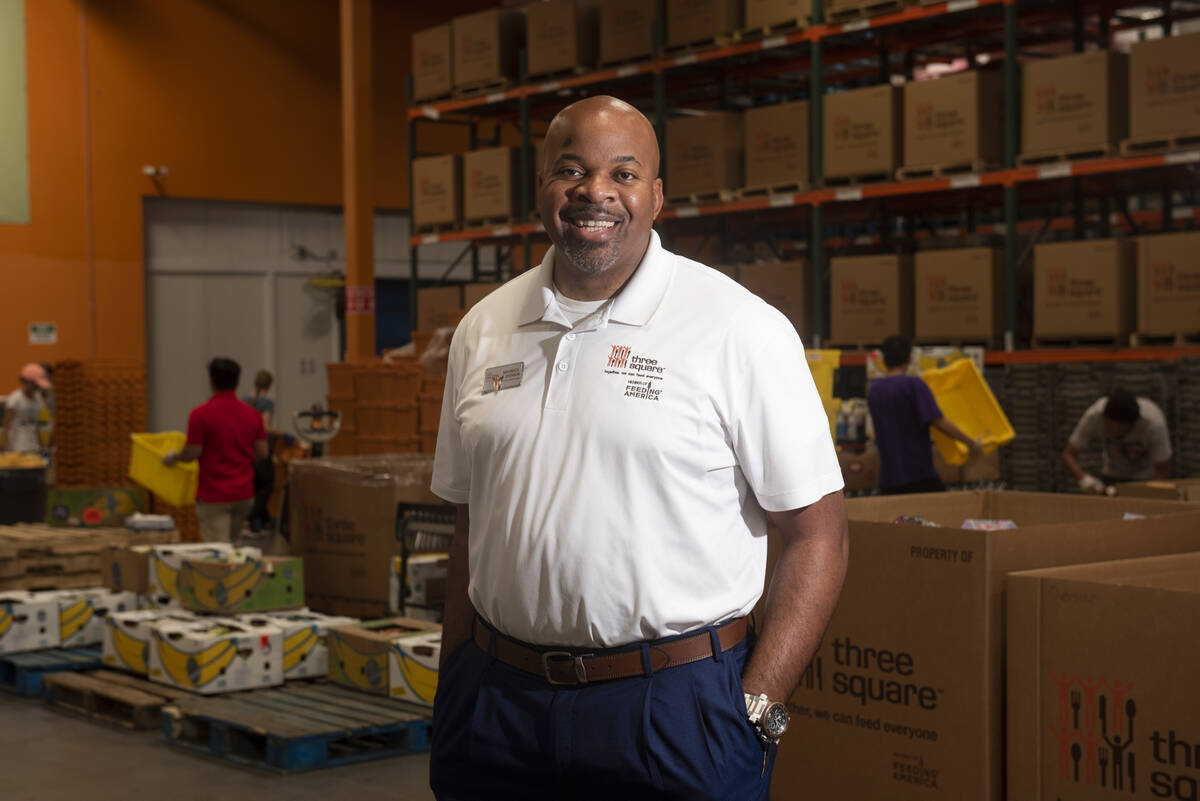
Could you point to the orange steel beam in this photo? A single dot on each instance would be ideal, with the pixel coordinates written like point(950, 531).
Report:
point(357, 179)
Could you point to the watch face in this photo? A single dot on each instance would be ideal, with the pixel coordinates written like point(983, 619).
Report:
point(775, 720)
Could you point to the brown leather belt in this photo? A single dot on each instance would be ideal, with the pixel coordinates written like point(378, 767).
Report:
point(571, 668)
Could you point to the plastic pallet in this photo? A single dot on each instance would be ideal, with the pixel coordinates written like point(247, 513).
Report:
point(297, 727)
point(23, 673)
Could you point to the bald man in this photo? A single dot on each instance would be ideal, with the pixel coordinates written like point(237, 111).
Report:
point(619, 425)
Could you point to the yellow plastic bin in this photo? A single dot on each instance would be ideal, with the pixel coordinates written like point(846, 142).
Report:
point(966, 401)
point(822, 363)
point(175, 485)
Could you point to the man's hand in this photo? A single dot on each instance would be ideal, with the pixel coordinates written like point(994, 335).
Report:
point(1090, 483)
point(170, 458)
point(975, 448)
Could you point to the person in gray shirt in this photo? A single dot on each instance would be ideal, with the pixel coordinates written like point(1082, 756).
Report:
point(1132, 434)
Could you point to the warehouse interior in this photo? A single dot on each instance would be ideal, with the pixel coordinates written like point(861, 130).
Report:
point(322, 192)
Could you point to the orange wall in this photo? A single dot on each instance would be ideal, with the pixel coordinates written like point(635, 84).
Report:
point(239, 99)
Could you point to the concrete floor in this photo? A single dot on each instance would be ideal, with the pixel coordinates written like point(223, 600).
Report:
point(46, 755)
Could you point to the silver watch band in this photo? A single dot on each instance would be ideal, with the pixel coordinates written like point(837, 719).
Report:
point(755, 706)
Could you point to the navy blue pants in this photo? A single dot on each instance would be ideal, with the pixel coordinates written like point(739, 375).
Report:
point(682, 733)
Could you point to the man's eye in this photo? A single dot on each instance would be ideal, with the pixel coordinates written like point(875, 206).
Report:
point(626, 175)
point(570, 172)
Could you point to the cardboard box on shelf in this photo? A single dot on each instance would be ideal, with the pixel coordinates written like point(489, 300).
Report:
point(704, 154)
point(432, 63)
point(81, 613)
point(436, 197)
point(344, 523)
point(862, 132)
point(700, 21)
point(489, 183)
point(1178, 489)
point(216, 654)
point(870, 297)
point(784, 285)
point(1074, 103)
point(957, 296)
point(424, 583)
point(473, 293)
point(127, 635)
point(1164, 87)
point(93, 506)
point(364, 656)
point(225, 586)
point(776, 139)
point(1168, 279)
point(305, 654)
point(485, 47)
point(949, 121)
point(909, 677)
point(1102, 698)
point(627, 29)
point(561, 35)
point(1083, 289)
point(436, 305)
point(771, 13)
point(27, 622)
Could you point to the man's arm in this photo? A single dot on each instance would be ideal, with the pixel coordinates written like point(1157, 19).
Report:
point(189, 453)
point(260, 450)
point(1087, 482)
point(458, 615)
point(954, 432)
point(801, 596)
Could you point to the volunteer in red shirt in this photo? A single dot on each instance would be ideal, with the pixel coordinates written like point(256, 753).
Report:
point(226, 436)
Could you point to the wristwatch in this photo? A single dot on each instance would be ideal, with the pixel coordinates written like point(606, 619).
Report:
point(769, 718)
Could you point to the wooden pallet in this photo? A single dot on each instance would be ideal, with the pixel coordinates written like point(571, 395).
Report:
point(867, 10)
point(53, 581)
point(858, 180)
point(775, 28)
point(482, 88)
point(23, 673)
point(487, 222)
point(772, 189)
point(940, 170)
point(1056, 156)
point(436, 228)
point(853, 345)
point(559, 75)
point(696, 198)
point(1080, 341)
point(110, 697)
point(1178, 339)
point(707, 43)
point(1160, 144)
point(297, 727)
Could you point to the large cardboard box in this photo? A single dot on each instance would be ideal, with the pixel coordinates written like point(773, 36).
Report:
point(28, 622)
point(473, 293)
point(370, 656)
point(1164, 87)
point(81, 613)
point(1083, 289)
point(870, 297)
point(486, 46)
point(344, 523)
point(1075, 103)
point(862, 132)
point(1102, 664)
point(437, 199)
point(432, 63)
point(957, 295)
point(436, 306)
point(127, 635)
point(561, 35)
point(216, 654)
point(776, 141)
point(627, 29)
point(704, 154)
point(93, 506)
point(785, 285)
point(490, 185)
point(305, 654)
point(1179, 489)
point(162, 565)
point(698, 21)
point(1168, 278)
point(860, 468)
point(229, 586)
point(951, 121)
point(769, 13)
point(909, 679)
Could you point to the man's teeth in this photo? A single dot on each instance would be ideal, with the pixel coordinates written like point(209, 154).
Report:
point(594, 225)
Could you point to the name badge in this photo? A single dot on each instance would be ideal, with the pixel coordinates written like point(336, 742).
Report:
point(506, 376)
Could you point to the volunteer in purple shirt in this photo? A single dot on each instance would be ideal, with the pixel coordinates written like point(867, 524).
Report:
point(903, 409)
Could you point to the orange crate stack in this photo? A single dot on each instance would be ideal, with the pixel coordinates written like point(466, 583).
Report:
point(387, 420)
point(97, 406)
point(387, 383)
point(340, 379)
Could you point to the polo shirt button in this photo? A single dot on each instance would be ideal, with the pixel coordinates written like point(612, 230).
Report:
point(570, 336)
point(562, 366)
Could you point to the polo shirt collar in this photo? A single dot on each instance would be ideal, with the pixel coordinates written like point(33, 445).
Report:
point(635, 304)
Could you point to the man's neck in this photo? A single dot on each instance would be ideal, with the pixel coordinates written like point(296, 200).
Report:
point(577, 285)
point(897, 370)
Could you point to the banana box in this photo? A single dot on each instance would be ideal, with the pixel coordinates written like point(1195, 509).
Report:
point(27, 622)
point(81, 613)
point(305, 653)
point(413, 667)
point(421, 583)
point(217, 654)
point(236, 584)
point(163, 563)
point(360, 655)
point(127, 636)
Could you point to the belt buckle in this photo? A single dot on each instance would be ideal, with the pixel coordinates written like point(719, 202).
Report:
point(580, 670)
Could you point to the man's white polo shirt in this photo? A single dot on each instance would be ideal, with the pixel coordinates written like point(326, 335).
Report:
point(615, 470)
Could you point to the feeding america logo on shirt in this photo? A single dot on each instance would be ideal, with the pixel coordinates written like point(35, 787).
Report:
point(643, 375)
